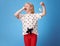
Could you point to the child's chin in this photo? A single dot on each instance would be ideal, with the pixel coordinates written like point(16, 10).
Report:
point(26, 10)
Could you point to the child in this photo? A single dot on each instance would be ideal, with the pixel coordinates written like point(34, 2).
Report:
point(29, 22)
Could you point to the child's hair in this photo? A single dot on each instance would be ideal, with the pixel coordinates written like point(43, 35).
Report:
point(32, 10)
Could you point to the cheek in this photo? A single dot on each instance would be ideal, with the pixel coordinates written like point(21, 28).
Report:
point(29, 8)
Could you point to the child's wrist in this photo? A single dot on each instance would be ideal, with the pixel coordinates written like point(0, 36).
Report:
point(23, 8)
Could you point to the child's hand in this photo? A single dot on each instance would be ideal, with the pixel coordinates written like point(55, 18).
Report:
point(41, 3)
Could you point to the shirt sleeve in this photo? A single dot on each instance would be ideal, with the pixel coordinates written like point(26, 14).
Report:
point(21, 16)
point(38, 15)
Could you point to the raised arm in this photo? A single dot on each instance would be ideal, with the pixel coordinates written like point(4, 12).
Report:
point(18, 13)
point(44, 9)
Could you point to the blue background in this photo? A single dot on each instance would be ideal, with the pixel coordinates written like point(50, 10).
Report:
point(11, 27)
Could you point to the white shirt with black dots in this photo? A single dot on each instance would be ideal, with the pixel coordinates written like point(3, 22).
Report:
point(29, 21)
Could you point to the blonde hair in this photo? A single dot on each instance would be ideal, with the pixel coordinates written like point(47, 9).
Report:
point(32, 10)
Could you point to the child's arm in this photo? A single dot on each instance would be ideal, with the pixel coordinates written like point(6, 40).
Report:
point(44, 9)
point(17, 14)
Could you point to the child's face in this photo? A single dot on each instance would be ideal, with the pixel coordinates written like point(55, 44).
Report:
point(28, 8)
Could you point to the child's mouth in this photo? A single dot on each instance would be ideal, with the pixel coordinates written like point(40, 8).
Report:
point(25, 8)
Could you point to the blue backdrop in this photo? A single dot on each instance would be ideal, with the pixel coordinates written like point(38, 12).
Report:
point(11, 27)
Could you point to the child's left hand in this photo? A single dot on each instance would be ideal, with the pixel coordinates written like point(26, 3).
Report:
point(42, 3)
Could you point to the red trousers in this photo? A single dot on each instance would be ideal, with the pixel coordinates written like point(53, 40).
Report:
point(30, 39)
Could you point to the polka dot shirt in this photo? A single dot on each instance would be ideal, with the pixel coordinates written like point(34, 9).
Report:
point(30, 21)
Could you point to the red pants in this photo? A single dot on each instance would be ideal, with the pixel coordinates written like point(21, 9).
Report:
point(30, 39)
